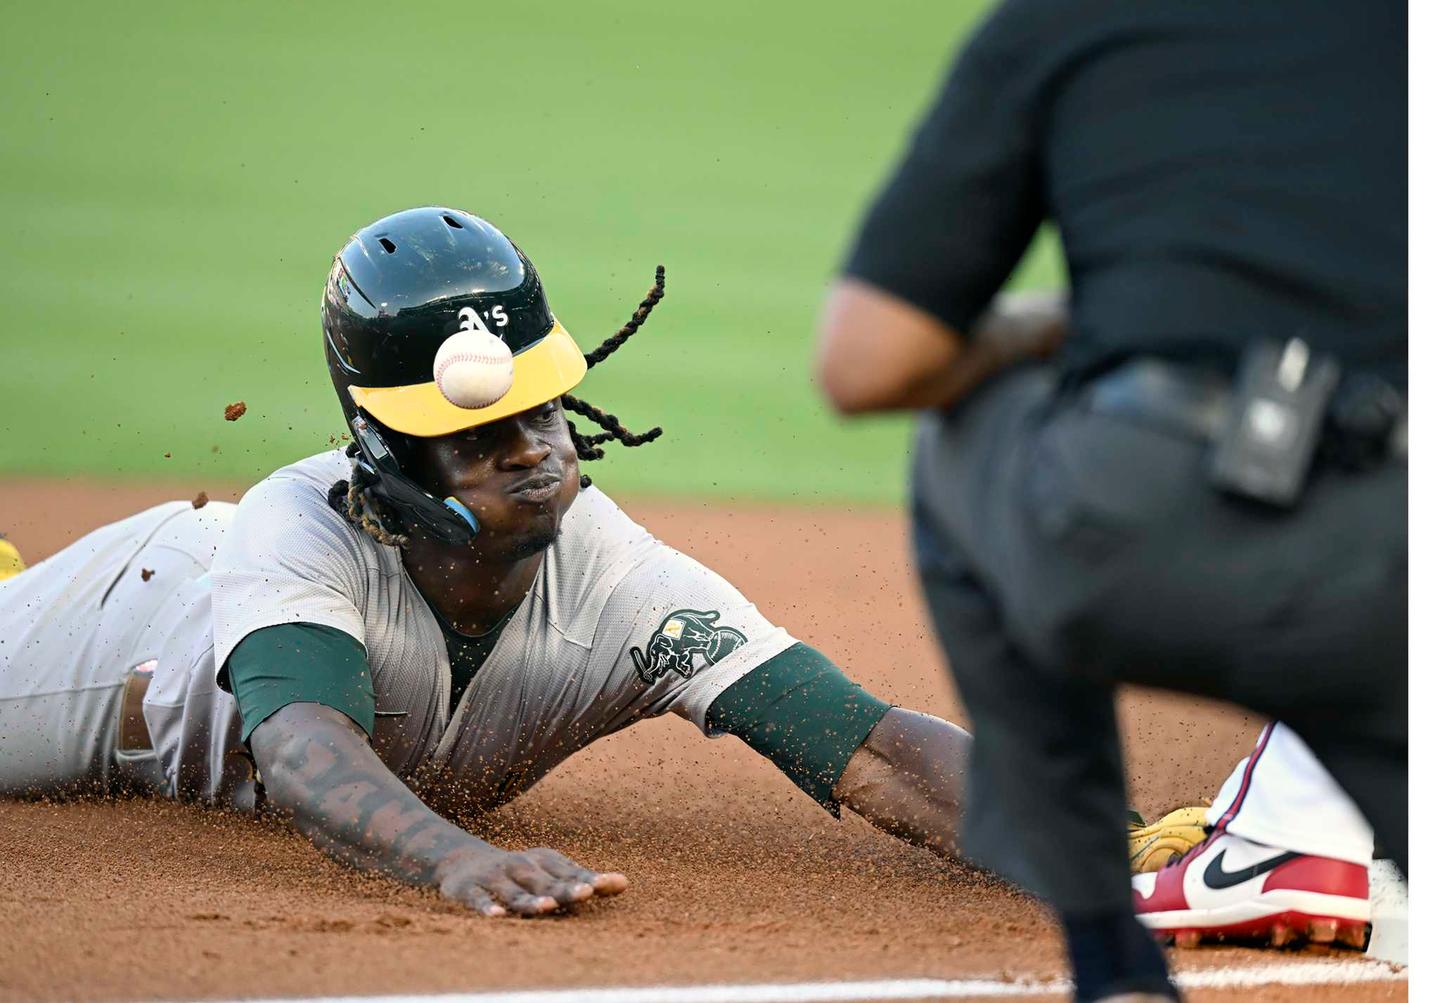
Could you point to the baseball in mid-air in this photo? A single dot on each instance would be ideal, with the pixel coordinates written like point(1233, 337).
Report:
point(474, 368)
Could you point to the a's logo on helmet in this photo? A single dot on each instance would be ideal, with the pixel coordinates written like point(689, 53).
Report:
point(474, 367)
point(471, 320)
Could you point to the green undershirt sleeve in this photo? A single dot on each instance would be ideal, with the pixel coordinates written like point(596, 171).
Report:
point(299, 663)
point(800, 712)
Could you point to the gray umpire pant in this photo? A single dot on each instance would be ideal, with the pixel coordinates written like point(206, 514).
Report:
point(1064, 551)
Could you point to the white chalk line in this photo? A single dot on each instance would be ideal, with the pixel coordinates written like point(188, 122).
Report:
point(1312, 973)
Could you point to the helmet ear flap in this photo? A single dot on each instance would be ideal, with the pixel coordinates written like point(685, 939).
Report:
point(379, 471)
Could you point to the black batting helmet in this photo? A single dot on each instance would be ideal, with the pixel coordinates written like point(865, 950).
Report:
point(403, 285)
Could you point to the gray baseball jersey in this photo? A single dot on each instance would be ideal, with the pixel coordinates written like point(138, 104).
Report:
point(617, 627)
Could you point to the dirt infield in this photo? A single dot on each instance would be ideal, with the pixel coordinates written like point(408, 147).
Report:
point(735, 876)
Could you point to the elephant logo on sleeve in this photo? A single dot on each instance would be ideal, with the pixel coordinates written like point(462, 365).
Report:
point(687, 641)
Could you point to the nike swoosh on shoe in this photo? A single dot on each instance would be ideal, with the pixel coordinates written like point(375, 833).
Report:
point(1218, 878)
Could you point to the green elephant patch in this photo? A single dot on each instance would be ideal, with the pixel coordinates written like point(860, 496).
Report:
point(687, 641)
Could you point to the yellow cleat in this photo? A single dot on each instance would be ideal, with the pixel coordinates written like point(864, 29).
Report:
point(10, 562)
point(1169, 838)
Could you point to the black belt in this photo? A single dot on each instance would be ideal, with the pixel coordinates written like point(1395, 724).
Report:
point(1196, 401)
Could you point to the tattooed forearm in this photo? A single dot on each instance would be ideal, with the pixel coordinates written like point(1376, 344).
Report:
point(319, 769)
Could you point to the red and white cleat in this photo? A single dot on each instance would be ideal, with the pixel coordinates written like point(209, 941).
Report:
point(1228, 888)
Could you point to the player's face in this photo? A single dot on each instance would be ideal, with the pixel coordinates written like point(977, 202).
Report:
point(518, 476)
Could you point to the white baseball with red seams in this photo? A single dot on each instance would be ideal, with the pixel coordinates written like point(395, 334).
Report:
point(474, 369)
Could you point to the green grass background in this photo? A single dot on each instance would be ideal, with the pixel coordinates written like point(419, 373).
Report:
point(177, 176)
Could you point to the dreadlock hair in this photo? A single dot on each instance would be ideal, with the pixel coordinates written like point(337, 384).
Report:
point(351, 499)
point(361, 509)
point(587, 447)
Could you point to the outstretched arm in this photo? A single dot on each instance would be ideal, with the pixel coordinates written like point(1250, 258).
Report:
point(318, 768)
point(900, 770)
point(907, 779)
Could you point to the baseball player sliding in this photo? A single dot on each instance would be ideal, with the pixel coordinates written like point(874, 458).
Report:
point(434, 617)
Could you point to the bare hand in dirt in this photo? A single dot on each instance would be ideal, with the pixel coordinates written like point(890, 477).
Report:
point(322, 772)
point(528, 883)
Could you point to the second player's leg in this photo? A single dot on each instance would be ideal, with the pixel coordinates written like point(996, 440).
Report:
point(1282, 796)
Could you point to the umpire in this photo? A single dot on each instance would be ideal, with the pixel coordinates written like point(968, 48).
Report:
point(1205, 489)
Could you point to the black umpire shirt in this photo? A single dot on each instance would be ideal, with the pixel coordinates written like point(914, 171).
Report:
point(1219, 171)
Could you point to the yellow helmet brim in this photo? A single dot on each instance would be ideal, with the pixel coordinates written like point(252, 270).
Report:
point(552, 366)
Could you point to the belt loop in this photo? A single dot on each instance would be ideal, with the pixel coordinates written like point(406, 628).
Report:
point(132, 737)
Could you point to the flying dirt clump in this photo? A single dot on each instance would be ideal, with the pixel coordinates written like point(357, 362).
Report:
point(234, 411)
point(200, 500)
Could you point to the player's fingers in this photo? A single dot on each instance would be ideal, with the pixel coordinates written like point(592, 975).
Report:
point(468, 893)
point(477, 899)
point(610, 883)
point(604, 882)
point(528, 872)
point(520, 900)
point(564, 869)
point(557, 863)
